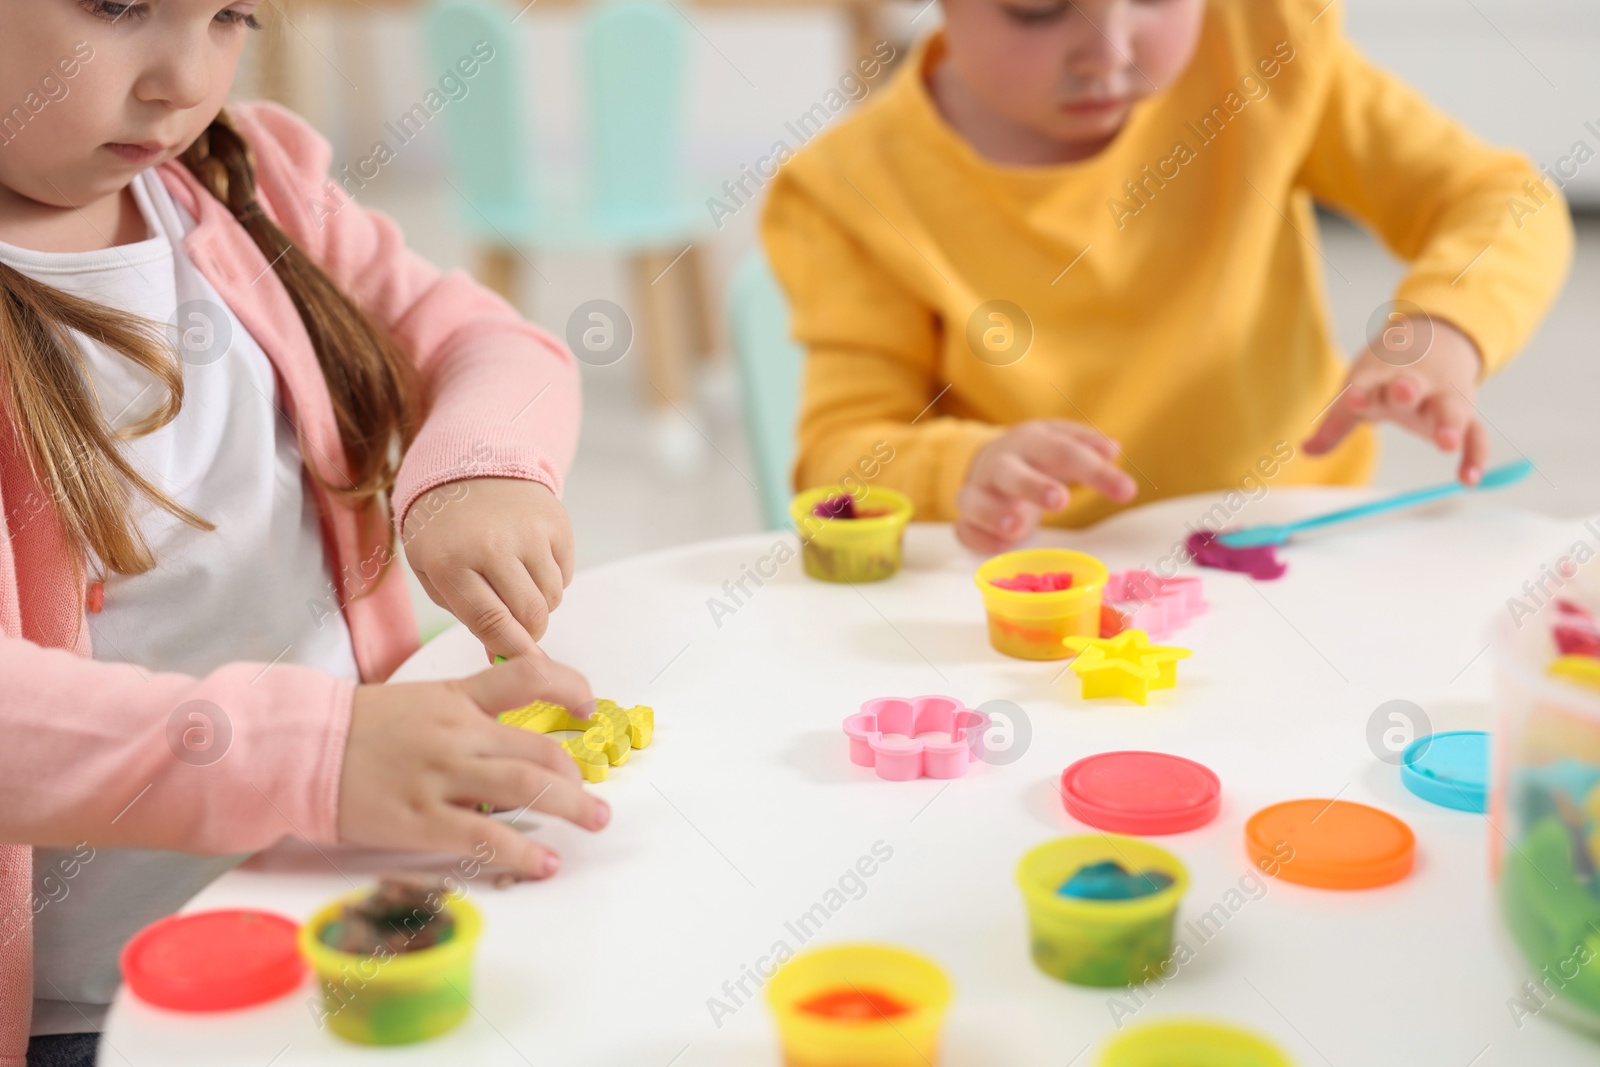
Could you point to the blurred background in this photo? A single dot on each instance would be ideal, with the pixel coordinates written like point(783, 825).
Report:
point(576, 171)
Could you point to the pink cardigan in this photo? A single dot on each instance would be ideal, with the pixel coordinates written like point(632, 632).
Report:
point(85, 755)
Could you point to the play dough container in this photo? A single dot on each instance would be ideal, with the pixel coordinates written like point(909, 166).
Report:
point(1190, 1043)
point(1030, 625)
point(399, 998)
point(864, 549)
point(859, 1005)
point(1099, 942)
point(1544, 802)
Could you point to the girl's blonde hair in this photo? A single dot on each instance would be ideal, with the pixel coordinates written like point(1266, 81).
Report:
point(71, 447)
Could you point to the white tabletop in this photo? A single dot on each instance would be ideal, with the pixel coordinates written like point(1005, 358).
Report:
point(745, 812)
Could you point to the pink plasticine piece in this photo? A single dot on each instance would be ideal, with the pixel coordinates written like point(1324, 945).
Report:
point(1154, 604)
point(1048, 582)
point(1259, 562)
point(915, 757)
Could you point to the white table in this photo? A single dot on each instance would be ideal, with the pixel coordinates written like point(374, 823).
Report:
point(745, 811)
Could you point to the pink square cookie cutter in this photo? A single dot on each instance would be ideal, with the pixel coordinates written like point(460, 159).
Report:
point(1154, 604)
point(902, 738)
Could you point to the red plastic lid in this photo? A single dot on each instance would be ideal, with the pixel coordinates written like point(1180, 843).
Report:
point(213, 960)
point(1141, 792)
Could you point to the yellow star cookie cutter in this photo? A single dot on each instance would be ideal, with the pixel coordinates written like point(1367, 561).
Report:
point(606, 739)
point(1126, 665)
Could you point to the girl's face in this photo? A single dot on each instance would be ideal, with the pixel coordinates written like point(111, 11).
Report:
point(93, 92)
point(1069, 70)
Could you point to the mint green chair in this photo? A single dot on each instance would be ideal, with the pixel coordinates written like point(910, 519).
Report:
point(769, 363)
point(633, 197)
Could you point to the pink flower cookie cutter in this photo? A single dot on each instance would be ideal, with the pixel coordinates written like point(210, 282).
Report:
point(1154, 604)
point(889, 734)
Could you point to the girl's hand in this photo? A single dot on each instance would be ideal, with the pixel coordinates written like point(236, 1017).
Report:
point(421, 756)
point(1430, 394)
point(496, 553)
point(1024, 473)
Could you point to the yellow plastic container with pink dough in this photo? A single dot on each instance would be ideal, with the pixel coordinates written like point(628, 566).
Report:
point(1092, 942)
point(1031, 625)
point(859, 1005)
point(400, 998)
point(866, 548)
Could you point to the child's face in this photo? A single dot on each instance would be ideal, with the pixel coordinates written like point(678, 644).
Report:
point(1069, 70)
point(77, 76)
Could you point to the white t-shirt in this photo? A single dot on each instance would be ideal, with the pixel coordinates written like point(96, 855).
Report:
point(239, 592)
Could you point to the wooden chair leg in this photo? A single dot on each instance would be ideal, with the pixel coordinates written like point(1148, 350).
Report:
point(664, 328)
point(696, 288)
point(498, 269)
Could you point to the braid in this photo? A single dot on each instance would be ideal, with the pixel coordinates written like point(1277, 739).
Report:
point(377, 399)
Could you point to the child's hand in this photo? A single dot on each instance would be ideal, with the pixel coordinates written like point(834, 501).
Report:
point(496, 553)
point(1025, 472)
point(1432, 396)
point(421, 756)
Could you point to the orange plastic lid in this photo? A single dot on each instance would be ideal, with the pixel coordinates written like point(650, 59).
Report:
point(1330, 844)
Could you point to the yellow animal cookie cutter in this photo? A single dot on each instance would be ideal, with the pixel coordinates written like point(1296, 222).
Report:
point(608, 736)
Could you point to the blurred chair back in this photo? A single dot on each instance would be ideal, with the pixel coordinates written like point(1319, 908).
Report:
point(635, 52)
point(769, 363)
point(487, 132)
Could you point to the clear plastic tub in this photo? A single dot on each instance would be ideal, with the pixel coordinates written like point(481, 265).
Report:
point(1545, 806)
point(851, 550)
point(1031, 625)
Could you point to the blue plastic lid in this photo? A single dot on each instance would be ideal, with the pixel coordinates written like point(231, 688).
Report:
point(1449, 769)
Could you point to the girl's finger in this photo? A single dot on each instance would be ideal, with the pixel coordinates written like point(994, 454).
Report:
point(517, 588)
point(1070, 460)
point(980, 541)
point(1474, 452)
point(471, 598)
point(1448, 416)
point(1334, 427)
point(561, 549)
point(1013, 476)
point(515, 785)
point(1007, 519)
point(464, 833)
point(1088, 435)
point(521, 680)
point(545, 573)
point(1402, 393)
point(528, 747)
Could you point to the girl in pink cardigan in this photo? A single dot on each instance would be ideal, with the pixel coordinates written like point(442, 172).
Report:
point(231, 396)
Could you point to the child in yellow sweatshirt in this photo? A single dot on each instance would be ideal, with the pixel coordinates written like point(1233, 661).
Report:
point(1068, 258)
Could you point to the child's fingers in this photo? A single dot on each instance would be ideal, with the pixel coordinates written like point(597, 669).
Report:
point(517, 588)
point(546, 574)
point(1014, 476)
point(529, 748)
point(1070, 460)
point(1007, 519)
point(470, 598)
point(562, 551)
point(1334, 427)
point(1088, 435)
point(514, 785)
point(1448, 414)
point(979, 540)
point(1474, 453)
point(462, 832)
point(523, 679)
point(1401, 393)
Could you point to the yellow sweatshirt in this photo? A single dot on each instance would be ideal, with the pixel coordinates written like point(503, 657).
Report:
point(1167, 291)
